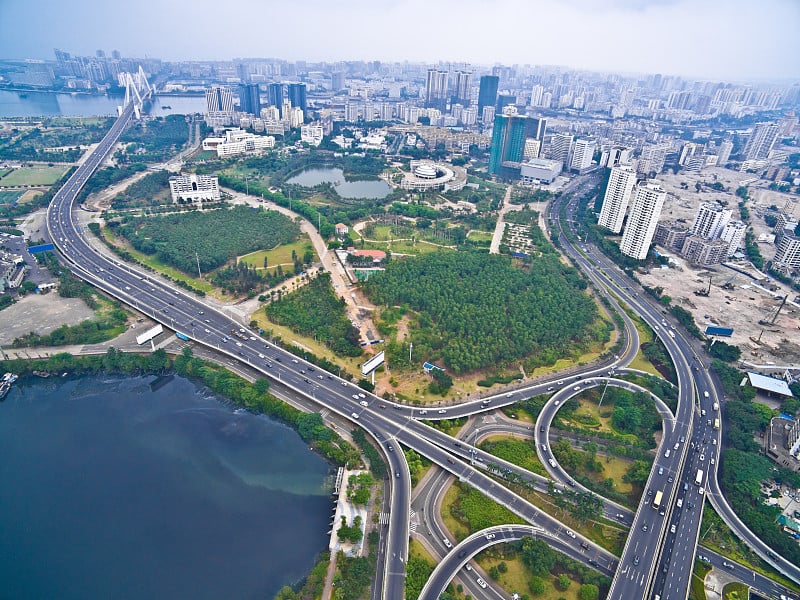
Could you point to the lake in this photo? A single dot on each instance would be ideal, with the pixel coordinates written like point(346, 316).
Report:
point(111, 489)
point(52, 104)
point(373, 189)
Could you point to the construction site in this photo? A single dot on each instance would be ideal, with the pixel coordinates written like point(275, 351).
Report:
point(765, 318)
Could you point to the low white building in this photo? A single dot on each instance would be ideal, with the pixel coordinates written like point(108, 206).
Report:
point(311, 134)
point(539, 170)
point(194, 188)
point(238, 141)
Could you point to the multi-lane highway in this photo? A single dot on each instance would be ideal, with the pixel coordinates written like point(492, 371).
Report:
point(652, 548)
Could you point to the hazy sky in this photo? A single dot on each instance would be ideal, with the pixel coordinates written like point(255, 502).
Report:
point(725, 39)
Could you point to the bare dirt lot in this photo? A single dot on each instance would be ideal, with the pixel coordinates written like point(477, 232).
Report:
point(41, 313)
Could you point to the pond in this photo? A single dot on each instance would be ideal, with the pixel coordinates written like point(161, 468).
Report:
point(374, 189)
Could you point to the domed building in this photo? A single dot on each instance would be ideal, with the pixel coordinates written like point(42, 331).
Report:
point(429, 175)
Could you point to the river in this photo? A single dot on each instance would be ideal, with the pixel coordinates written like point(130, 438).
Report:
point(114, 489)
point(52, 104)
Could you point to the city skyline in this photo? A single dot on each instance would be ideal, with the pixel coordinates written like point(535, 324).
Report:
point(734, 40)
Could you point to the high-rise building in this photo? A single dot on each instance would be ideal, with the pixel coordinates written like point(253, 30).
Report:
point(761, 141)
point(787, 252)
point(724, 153)
point(703, 251)
point(504, 100)
point(670, 235)
point(351, 112)
point(582, 155)
point(249, 99)
point(617, 155)
point(219, 99)
point(615, 202)
point(462, 88)
point(487, 115)
point(275, 95)
point(487, 93)
point(648, 200)
point(532, 149)
point(652, 158)
point(536, 96)
point(436, 89)
point(297, 96)
point(469, 116)
point(560, 147)
point(710, 220)
point(337, 81)
point(733, 233)
point(536, 128)
point(508, 144)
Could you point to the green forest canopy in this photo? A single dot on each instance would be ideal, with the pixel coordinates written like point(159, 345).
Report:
point(216, 236)
point(478, 310)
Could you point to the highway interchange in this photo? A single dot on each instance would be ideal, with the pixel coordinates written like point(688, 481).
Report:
point(655, 561)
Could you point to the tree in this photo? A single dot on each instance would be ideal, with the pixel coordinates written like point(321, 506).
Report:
point(589, 591)
point(563, 582)
point(537, 586)
point(539, 557)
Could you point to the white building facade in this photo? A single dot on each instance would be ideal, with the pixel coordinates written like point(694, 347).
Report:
point(618, 194)
point(648, 200)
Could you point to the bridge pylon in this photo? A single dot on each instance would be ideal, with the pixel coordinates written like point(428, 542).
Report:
point(137, 90)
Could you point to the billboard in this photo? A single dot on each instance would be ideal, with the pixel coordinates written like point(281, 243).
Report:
point(373, 363)
point(149, 334)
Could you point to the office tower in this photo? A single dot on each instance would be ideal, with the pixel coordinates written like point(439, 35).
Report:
point(436, 90)
point(297, 96)
point(462, 88)
point(710, 220)
point(536, 128)
point(275, 94)
point(508, 144)
point(648, 200)
point(536, 95)
point(560, 147)
point(618, 193)
point(487, 93)
point(337, 81)
point(724, 153)
point(249, 99)
point(761, 141)
point(504, 100)
point(733, 233)
point(582, 155)
point(219, 99)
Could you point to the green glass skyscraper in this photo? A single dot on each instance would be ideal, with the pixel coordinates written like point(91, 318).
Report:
point(508, 144)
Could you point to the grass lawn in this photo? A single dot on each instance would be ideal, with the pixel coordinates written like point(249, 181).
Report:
point(419, 247)
point(480, 236)
point(281, 255)
point(736, 591)
point(697, 590)
point(516, 580)
point(517, 451)
point(39, 175)
point(9, 196)
point(456, 529)
point(418, 550)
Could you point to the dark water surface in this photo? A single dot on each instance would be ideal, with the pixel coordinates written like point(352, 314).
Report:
point(109, 489)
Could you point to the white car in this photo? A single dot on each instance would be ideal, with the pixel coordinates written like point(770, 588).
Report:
point(481, 583)
point(447, 543)
point(354, 415)
point(260, 355)
point(364, 403)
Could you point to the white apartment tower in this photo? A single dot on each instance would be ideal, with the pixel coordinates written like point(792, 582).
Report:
point(648, 201)
point(582, 155)
point(219, 99)
point(733, 233)
point(711, 219)
point(560, 147)
point(761, 141)
point(536, 95)
point(618, 194)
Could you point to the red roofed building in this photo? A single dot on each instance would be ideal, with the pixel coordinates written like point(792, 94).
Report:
point(341, 229)
point(366, 257)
